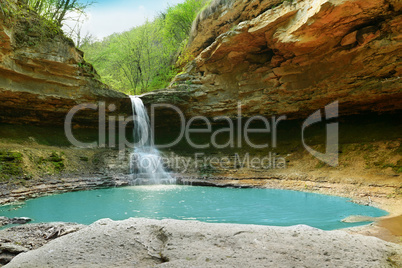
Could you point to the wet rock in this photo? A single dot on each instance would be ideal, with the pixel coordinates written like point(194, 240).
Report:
point(20, 220)
point(359, 218)
point(17, 220)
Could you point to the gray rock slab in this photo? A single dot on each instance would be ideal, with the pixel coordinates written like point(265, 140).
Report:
point(173, 243)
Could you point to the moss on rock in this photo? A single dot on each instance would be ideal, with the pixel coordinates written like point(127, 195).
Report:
point(10, 164)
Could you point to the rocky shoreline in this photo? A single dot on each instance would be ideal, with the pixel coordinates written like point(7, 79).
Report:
point(58, 186)
point(363, 195)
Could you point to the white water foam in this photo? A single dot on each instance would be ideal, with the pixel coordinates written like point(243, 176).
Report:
point(146, 164)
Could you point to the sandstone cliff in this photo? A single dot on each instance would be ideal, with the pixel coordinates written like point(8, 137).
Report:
point(276, 57)
point(293, 57)
point(42, 74)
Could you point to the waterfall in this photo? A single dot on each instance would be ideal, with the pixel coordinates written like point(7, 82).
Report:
point(146, 165)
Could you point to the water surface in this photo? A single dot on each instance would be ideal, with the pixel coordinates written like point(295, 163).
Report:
point(207, 204)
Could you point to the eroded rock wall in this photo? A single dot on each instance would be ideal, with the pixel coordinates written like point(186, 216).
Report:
point(43, 75)
point(294, 58)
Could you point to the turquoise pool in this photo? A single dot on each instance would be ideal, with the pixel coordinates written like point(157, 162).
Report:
point(208, 204)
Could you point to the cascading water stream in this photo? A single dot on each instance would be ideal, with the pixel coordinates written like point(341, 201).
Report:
point(146, 165)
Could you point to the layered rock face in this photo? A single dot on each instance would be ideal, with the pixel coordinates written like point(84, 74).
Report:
point(294, 58)
point(276, 57)
point(42, 74)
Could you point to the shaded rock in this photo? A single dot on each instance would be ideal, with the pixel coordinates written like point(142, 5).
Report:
point(6, 258)
point(17, 220)
point(19, 239)
point(12, 248)
point(20, 220)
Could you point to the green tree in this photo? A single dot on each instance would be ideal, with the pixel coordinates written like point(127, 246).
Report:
point(4, 7)
point(57, 10)
point(178, 19)
point(143, 58)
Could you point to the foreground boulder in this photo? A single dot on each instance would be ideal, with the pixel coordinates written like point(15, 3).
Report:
point(173, 243)
point(22, 238)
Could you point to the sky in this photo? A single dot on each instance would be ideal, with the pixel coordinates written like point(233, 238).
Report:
point(106, 17)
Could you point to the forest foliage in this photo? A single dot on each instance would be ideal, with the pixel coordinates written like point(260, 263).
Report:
point(136, 61)
point(44, 18)
point(55, 11)
point(143, 58)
